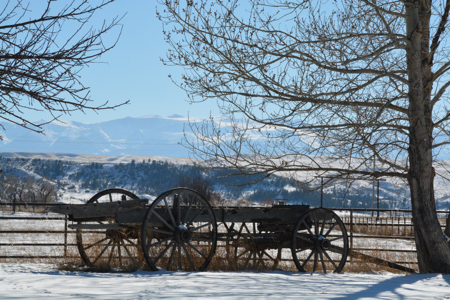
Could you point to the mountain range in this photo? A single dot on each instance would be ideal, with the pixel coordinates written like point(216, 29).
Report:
point(150, 136)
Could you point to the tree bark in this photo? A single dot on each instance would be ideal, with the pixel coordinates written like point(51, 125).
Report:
point(433, 252)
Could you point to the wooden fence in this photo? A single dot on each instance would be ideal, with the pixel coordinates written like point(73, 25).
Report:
point(384, 235)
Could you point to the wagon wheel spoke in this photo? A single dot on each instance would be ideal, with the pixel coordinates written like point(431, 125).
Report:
point(170, 213)
point(131, 242)
point(323, 263)
point(200, 227)
point(170, 258)
point(329, 230)
point(111, 253)
point(177, 205)
point(189, 209)
point(324, 221)
point(162, 220)
point(96, 243)
point(268, 255)
point(316, 227)
point(242, 254)
point(103, 251)
point(127, 250)
point(187, 212)
point(189, 257)
point(260, 254)
point(308, 228)
point(309, 257)
point(159, 243)
point(337, 238)
point(316, 257)
point(196, 250)
point(93, 244)
point(120, 256)
point(180, 265)
point(163, 252)
point(307, 244)
point(196, 216)
point(331, 260)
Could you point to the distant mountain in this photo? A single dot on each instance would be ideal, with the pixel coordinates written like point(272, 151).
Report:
point(152, 135)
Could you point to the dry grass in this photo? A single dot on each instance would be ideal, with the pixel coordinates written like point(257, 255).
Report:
point(228, 257)
point(382, 227)
point(24, 208)
point(364, 265)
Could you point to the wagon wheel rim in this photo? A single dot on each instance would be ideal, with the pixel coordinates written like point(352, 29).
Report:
point(320, 242)
point(249, 256)
point(112, 248)
point(179, 232)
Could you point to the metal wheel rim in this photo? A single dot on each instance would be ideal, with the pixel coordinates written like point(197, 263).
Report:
point(164, 246)
point(320, 242)
point(247, 256)
point(109, 248)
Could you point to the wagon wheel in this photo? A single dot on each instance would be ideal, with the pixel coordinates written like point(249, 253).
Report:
point(106, 248)
point(179, 232)
point(249, 254)
point(320, 242)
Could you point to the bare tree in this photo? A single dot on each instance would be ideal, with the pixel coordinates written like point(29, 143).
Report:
point(46, 191)
point(323, 87)
point(42, 51)
point(203, 186)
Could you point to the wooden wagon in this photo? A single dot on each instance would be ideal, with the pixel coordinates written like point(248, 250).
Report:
point(180, 230)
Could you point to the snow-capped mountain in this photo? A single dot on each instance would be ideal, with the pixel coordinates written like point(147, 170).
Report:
point(153, 135)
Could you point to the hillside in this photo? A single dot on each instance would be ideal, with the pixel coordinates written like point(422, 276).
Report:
point(78, 177)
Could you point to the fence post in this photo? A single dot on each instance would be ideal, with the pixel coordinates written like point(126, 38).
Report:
point(351, 232)
point(65, 235)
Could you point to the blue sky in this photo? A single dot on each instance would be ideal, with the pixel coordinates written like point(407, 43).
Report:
point(133, 71)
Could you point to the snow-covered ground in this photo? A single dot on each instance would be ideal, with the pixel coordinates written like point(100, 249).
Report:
point(38, 281)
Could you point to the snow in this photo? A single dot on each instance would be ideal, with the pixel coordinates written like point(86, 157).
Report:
point(86, 158)
point(39, 281)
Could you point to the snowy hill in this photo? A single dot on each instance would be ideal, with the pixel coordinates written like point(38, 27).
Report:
point(152, 135)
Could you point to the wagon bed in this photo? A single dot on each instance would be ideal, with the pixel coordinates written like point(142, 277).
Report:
point(180, 230)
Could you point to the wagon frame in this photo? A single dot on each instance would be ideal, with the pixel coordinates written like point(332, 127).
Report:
point(180, 230)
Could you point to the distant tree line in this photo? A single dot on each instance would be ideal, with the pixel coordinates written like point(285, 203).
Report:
point(150, 177)
point(26, 190)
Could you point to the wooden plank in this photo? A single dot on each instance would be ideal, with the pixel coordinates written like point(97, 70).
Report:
point(95, 226)
point(276, 214)
point(95, 211)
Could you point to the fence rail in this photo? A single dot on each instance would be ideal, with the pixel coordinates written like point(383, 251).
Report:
point(389, 235)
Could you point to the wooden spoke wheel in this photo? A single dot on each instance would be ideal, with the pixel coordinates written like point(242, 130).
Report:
point(320, 242)
point(179, 232)
point(114, 245)
point(255, 251)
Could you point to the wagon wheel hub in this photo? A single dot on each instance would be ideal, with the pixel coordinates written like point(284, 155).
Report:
point(113, 234)
point(182, 234)
point(322, 244)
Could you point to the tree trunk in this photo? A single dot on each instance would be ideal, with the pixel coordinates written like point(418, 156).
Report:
point(433, 253)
